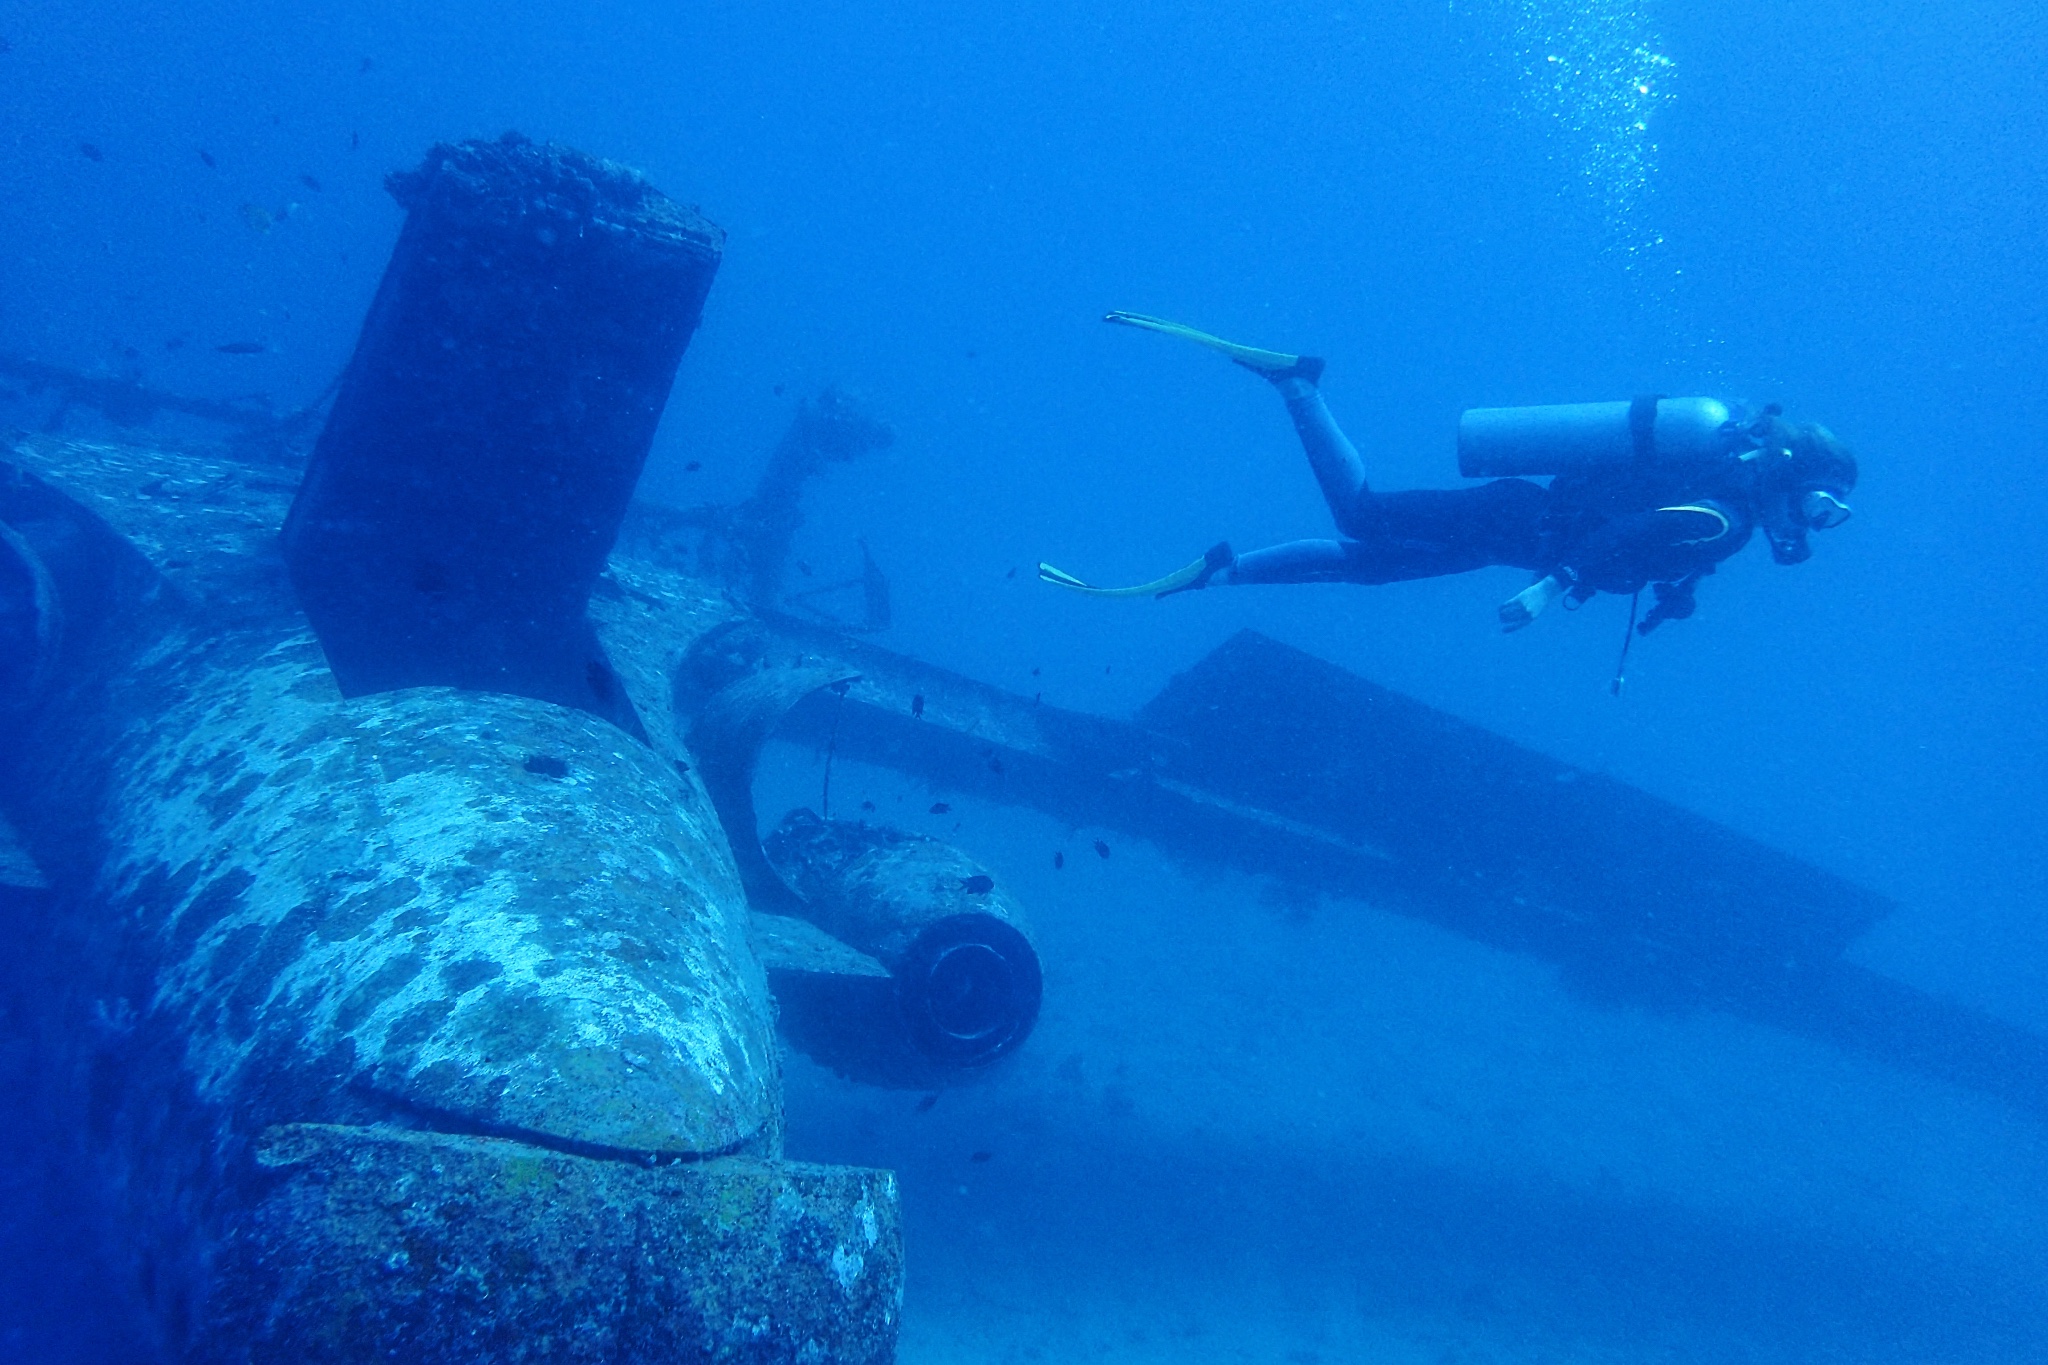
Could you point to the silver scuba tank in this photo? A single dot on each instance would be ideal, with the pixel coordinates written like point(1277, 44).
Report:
point(1496, 443)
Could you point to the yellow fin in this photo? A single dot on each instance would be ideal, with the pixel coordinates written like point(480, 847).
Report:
point(1250, 356)
point(1179, 578)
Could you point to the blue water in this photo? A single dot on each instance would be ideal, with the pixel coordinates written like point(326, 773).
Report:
point(1250, 1130)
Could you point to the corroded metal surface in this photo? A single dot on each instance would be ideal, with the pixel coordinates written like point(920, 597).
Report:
point(880, 889)
point(785, 943)
point(440, 1249)
point(493, 420)
point(469, 903)
point(465, 902)
point(727, 735)
point(205, 522)
point(965, 982)
point(459, 912)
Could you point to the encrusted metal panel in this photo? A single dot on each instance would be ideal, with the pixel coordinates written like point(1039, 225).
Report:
point(433, 1249)
point(206, 522)
point(470, 902)
point(473, 903)
point(486, 437)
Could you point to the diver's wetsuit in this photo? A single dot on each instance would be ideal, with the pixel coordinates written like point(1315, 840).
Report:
point(1614, 532)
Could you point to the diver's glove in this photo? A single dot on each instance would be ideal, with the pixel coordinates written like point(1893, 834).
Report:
point(1215, 560)
point(1530, 603)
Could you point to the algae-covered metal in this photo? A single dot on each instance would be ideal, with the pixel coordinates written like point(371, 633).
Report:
point(925, 973)
point(492, 422)
point(470, 904)
point(967, 982)
point(396, 976)
point(738, 1259)
point(406, 916)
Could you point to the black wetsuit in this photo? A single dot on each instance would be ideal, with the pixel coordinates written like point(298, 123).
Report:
point(1614, 530)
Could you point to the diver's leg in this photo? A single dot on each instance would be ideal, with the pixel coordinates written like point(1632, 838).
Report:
point(1338, 470)
point(1424, 533)
point(1297, 561)
point(1344, 561)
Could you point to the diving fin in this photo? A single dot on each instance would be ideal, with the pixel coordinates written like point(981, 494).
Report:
point(1195, 575)
point(1270, 364)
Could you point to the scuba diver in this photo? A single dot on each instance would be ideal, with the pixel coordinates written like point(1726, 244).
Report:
point(1650, 493)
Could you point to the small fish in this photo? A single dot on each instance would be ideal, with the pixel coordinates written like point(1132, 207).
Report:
point(940, 808)
point(355, 140)
point(258, 218)
point(803, 568)
point(241, 348)
point(1101, 849)
point(867, 805)
point(1011, 574)
point(925, 1105)
point(90, 152)
point(693, 466)
point(981, 1158)
point(778, 390)
point(174, 343)
point(980, 884)
point(917, 705)
point(545, 765)
point(1034, 672)
point(366, 68)
point(682, 767)
point(310, 183)
point(1059, 860)
point(207, 157)
point(995, 765)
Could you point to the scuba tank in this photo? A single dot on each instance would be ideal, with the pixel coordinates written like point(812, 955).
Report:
point(1496, 443)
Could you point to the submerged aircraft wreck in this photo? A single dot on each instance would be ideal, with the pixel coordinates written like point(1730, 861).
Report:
point(385, 895)
point(393, 969)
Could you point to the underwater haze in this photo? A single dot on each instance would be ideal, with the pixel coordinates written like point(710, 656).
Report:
point(1252, 1125)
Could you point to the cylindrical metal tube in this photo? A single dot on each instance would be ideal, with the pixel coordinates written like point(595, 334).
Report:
point(1496, 443)
point(967, 978)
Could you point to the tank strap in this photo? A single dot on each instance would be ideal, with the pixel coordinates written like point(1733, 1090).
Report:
point(1642, 425)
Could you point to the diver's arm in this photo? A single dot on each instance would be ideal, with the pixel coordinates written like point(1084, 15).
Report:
point(1682, 543)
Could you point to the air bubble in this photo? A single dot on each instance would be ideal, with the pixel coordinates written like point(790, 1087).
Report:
point(1591, 71)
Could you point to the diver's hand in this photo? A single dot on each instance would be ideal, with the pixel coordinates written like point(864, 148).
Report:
point(1528, 604)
